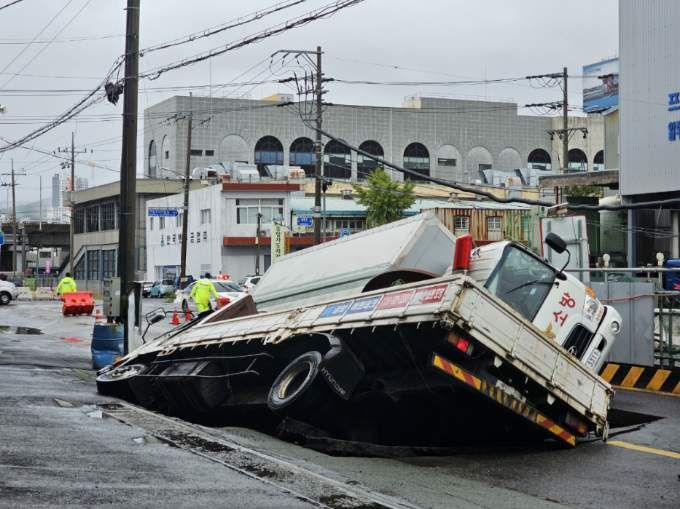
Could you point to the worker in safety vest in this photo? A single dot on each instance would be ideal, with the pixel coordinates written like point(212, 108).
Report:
point(201, 292)
point(67, 285)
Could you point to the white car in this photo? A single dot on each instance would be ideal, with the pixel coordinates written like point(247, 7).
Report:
point(8, 292)
point(227, 289)
point(249, 282)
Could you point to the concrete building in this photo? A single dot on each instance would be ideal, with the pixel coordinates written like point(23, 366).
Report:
point(97, 220)
point(447, 138)
point(222, 229)
point(649, 113)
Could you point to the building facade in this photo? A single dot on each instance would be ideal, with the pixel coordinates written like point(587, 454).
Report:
point(649, 116)
point(446, 138)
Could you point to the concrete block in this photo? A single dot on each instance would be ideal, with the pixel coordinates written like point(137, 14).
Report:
point(24, 293)
point(44, 293)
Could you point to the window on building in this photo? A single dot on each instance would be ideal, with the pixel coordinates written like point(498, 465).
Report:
point(79, 220)
point(268, 150)
point(494, 229)
point(210, 153)
point(93, 265)
point(174, 239)
point(417, 158)
point(108, 216)
point(79, 269)
point(196, 152)
point(161, 223)
point(483, 166)
point(108, 263)
point(205, 216)
point(443, 161)
point(191, 238)
point(151, 224)
point(366, 165)
point(337, 161)
point(167, 154)
point(198, 237)
point(352, 225)
point(461, 225)
point(205, 235)
point(302, 154)
point(247, 210)
point(92, 218)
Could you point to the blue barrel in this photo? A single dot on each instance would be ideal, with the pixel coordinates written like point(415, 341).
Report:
point(107, 344)
point(671, 280)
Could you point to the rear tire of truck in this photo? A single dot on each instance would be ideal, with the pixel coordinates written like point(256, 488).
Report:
point(297, 389)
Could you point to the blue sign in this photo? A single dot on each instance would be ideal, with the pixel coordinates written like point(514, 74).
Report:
point(337, 309)
point(344, 232)
point(364, 305)
point(304, 221)
point(163, 212)
point(2, 238)
point(674, 101)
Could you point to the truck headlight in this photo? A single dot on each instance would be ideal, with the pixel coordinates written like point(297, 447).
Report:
point(615, 327)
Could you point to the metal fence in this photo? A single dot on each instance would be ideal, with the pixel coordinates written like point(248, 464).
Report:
point(651, 314)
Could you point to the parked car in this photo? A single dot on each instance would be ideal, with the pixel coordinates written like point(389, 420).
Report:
point(160, 288)
point(227, 289)
point(249, 282)
point(146, 288)
point(8, 292)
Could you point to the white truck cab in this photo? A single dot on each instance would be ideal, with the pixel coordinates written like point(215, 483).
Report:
point(557, 303)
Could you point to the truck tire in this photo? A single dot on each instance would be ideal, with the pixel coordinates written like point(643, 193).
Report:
point(115, 382)
point(5, 298)
point(295, 390)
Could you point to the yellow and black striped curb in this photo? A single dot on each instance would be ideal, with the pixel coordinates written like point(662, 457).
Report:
point(648, 378)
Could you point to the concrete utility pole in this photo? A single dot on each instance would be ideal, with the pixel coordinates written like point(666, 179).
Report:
point(128, 170)
point(185, 209)
point(257, 243)
point(565, 121)
point(317, 148)
point(15, 229)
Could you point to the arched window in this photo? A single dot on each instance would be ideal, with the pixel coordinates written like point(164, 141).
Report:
point(337, 161)
point(268, 150)
point(598, 161)
point(366, 165)
point(153, 159)
point(539, 159)
point(302, 155)
point(417, 158)
point(577, 160)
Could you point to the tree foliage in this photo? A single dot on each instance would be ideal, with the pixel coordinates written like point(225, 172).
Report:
point(385, 199)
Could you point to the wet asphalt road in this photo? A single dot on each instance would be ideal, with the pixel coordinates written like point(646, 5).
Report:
point(57, 449)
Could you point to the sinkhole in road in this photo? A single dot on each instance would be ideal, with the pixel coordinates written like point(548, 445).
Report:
point(13, 329)
point(619, 418)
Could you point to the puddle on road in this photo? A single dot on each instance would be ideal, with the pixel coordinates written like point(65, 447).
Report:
point(10, 329)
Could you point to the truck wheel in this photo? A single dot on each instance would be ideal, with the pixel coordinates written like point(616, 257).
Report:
point(5, 298)
point(294, 389)
point(115, 381)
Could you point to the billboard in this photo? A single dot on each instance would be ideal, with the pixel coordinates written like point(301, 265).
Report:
point(601, 85)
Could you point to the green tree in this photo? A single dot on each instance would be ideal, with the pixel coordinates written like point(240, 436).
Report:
point(385, 199)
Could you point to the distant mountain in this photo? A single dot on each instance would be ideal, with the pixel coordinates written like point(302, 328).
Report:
point(27, 210)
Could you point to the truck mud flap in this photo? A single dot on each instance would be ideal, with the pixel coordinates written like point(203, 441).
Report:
point(503, 397)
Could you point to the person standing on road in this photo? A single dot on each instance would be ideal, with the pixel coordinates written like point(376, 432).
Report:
point(201, 292)
point(67, 285)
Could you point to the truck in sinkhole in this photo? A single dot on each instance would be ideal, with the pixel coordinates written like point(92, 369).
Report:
point(398, 334)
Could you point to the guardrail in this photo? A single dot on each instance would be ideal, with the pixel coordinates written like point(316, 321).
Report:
point(666, 334)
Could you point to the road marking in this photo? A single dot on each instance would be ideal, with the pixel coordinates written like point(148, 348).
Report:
point(644, 448)
point(658, 379)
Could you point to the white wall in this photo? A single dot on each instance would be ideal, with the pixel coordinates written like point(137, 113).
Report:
point(648, 33)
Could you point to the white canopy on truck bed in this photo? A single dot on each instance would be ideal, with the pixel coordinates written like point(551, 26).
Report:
point(344, 266)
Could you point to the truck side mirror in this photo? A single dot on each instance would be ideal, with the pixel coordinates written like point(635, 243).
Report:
point(556, 243)
point(155, 316)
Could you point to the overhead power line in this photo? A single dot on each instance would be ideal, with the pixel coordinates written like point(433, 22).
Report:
point(10, 4)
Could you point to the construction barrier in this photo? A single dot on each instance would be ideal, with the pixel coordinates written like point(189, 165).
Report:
point(44, 293)
point(24, 293)
point(647, 378)
point(77, 303)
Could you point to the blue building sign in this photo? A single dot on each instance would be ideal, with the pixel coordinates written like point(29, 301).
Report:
point(163, 212)
point(674, 125)
point(304, 221)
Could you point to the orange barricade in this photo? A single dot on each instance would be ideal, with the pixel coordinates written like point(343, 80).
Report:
point(77, 303)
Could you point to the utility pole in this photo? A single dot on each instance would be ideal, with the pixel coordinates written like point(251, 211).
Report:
point(128, 170)
point(257, 243)
point(40, 217)
point(15, 228)
point(185, 209)
point(315, 63)
point(317, 148)
point(565, 122)
point(72, 151)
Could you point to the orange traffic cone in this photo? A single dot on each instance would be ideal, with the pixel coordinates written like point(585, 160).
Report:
point(175, 319)
point(187, 316)
point(98, 318)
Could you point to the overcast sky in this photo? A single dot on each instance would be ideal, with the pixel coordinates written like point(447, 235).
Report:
point(376, 40)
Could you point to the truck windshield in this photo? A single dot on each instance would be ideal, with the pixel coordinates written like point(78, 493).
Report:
point(522, 281)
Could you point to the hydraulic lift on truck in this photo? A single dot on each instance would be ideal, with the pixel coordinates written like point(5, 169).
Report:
point(400, 334)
